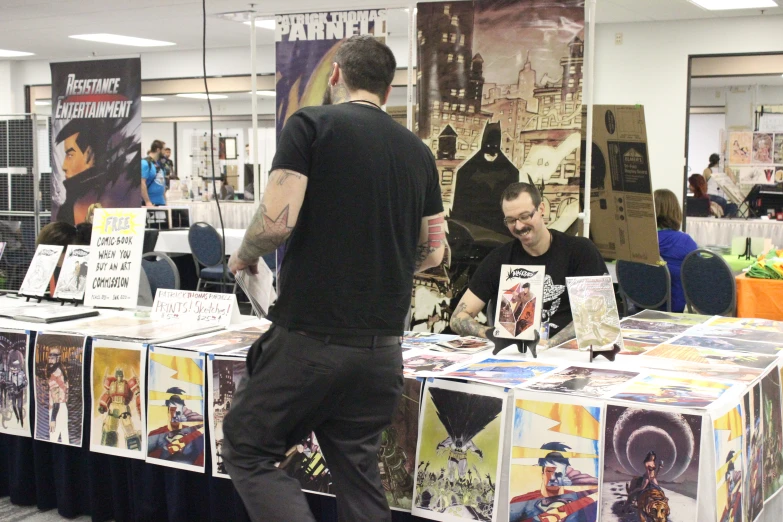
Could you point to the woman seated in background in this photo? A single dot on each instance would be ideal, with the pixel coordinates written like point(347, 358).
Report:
point(673, 244)
point(698, 186)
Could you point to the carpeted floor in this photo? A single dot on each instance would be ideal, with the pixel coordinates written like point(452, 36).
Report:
point(12, 513)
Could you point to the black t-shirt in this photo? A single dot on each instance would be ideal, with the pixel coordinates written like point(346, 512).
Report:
point(349, 263)
point(568, 256)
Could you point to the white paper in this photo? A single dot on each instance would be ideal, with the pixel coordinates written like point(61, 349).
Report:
point(258, 288)
point(73, 273)
point(36, 281)
point(201, 307)
point(114, 266)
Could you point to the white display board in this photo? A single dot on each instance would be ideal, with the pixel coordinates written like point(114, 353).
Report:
point(195, 307)
point(114, 266)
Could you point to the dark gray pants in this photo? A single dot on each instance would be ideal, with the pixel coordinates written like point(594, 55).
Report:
point(294, 385)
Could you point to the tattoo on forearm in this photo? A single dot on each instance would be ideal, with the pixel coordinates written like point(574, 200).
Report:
point(282, 175)
point(435, 233)
point(463, 323)
point(423, 251)
point(265, 234)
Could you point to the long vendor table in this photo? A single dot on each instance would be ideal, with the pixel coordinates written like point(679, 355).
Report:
point(687, 419)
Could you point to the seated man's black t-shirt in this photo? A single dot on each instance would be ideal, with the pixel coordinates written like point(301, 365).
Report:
point(568, 256)
point(349, 263)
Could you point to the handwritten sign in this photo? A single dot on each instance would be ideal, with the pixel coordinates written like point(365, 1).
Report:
point(73, 273)
point(114, 266)
point(36, 281)
point(203, 307)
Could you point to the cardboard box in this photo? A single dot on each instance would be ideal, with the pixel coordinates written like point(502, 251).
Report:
point(622, 220)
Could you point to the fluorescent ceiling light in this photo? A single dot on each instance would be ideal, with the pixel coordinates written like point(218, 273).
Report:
point(5, 53)
point(264, 24)
point(202, 96)
point(118, 39)
point(43, 102)
point(724, 5)
point(151, 98)
point(263, 93)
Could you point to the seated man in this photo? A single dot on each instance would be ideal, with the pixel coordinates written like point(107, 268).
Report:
point(534, 244)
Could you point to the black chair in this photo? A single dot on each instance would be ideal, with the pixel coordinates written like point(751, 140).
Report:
point(161, 271)
point(206, 245)
point(645, 286)
point(697, 207)
point(150, 240)
point(708, 284)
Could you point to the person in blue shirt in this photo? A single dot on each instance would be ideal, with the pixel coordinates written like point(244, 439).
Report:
point(153, 181)
point(673, 244)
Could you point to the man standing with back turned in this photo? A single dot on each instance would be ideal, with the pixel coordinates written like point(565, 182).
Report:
point(357, 198)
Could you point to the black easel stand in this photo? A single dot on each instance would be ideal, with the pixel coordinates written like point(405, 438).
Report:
point(524, 346)
point(74, 302)
point(747, 254)
point(610, 354)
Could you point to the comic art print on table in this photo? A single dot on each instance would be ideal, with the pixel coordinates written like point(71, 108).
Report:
point(710, 356)
point(773, 433)
point(519, 301)
point(555, 455)
point(118, 406)
point(594, 308)
point(674, 391)
point(225, 372)
point(59, 391)
point(175, 399)
point(461, 438)
point(396, 457)
point(306, 463)
point(651, 465)
point(14, 384)
point(728, 432)
point(578, 380)
point(501, 372)
point(753, 487)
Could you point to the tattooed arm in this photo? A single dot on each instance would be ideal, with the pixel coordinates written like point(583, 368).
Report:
point(432, 243)
point(273, 221)
point(463, 320)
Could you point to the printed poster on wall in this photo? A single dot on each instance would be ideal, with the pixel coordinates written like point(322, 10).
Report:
point(15, 399)
point(117, 409)
point(304, 52)
point(114, 266)
point(59, 390)
point(96, 136)
point(499, 101)
point(226, 372)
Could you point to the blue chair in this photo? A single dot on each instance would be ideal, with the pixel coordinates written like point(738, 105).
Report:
point(206, 245)
point(645, 286)
point(708, 284)
point(161, 271)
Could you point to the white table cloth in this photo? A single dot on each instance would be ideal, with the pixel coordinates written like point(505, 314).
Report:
point(711, 231)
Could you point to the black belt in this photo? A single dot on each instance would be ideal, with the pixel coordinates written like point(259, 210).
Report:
point(358, 341)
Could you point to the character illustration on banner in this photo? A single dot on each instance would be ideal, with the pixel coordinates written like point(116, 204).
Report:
point(728, 433)
point(554, 480)
point(459, 477)
point(13, 382)
point(115, 404)
point(773, 434)
point(393, 460)
point(58, 397)
point(175, 441)
point(651, 465)
point(306, 463)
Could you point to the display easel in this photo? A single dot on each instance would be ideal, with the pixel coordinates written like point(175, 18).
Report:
point(522, 345)
point(748, 253)
point(609, 354)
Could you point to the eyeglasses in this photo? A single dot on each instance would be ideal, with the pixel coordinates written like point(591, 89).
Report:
point(522, 218)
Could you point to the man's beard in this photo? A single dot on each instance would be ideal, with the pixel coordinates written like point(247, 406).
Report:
point(51, 368)
point(327, 100)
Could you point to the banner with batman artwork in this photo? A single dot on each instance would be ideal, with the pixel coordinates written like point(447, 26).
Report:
point(499, 101)
point(96, 137)
point(304, 52)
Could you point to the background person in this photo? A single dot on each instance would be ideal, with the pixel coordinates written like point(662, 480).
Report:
point(153, 182)
point(673, 244)
point(698, 186)
point(714, 190)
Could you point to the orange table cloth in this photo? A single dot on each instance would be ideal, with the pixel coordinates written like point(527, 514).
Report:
point(759, 298)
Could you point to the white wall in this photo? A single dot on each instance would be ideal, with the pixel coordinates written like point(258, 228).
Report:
point(704, 132)
point(651, 68)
